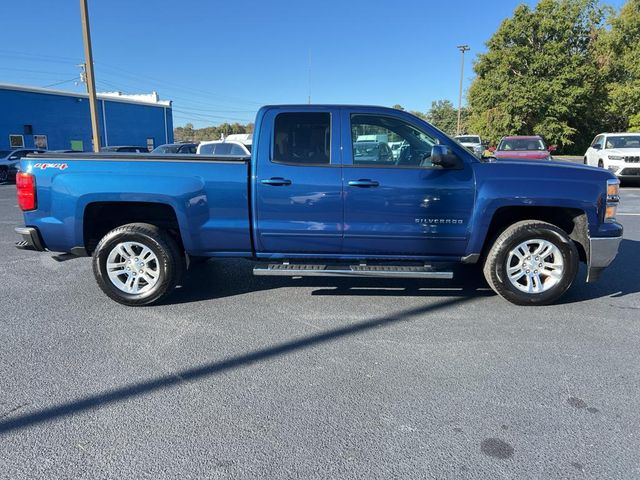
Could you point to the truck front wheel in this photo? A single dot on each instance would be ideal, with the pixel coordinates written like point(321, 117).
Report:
point(531, 263)
point(137, 264)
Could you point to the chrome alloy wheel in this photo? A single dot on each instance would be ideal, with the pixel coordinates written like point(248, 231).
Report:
point(132, 267)
point(535, 266)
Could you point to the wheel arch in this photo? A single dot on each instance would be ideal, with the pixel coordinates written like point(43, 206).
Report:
point(101, 217)
point(573, 221)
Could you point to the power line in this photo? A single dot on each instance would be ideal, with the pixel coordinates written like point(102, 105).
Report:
point(75, 79)
point(187, 90)
point(25, 70)
point(188, 104)
point(187, 97)
point(178, 86)
point(209, 117)
point(39, 56)
point(210, 123)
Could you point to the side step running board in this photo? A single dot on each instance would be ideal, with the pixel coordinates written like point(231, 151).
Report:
point(313, 270)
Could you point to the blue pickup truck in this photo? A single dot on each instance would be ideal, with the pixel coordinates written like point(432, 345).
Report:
point(308, 202)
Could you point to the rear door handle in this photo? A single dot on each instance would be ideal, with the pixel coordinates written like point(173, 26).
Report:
point(276, 181)
point(363, 182)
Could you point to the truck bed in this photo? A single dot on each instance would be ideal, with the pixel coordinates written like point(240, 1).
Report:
point(209, 195)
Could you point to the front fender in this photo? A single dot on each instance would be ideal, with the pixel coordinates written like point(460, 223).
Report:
point(552, 185)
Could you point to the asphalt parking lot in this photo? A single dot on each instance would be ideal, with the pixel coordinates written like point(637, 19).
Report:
point(263, 377)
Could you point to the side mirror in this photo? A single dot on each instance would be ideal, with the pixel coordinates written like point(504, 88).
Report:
point(552, 148)
point(597, 146)
point(442, 156)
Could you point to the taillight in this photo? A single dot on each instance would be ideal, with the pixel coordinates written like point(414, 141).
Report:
point(26, 188)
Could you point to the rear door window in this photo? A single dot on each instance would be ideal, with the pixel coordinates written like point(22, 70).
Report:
point(302, 138)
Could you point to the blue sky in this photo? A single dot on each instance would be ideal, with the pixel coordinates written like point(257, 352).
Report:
point(220, 61)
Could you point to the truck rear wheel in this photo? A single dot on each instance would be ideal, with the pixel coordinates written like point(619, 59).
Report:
point(137, 264)
point(531, 263)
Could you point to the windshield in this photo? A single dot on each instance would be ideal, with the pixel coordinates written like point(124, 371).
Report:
point(167, 149)
point(468, 139)
point(521, 144)
point(628, 141)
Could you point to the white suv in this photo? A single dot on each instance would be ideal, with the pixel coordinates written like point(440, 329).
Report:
point(617, 152)
point(472, 143)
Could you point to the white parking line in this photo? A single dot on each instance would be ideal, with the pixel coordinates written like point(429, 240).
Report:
point(628, 214)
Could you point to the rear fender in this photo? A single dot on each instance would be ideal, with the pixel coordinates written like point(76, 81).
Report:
point(71, 193)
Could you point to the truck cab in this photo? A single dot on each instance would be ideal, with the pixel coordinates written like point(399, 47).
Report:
point(346, 205)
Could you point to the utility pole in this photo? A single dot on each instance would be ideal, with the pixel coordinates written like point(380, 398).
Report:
point(462, 48)
point(91, 84)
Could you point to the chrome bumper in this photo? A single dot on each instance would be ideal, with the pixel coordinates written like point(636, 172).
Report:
point(602, 251)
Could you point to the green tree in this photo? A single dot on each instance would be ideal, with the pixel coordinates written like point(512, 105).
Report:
point(444, 115)
point(412, 112)
point(619, 55)
point(418, 114)
point(540, 75)
point(190, 134)
point(184, 134)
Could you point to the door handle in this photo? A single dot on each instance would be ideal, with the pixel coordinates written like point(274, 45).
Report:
point(276, 181)
point(363, 182)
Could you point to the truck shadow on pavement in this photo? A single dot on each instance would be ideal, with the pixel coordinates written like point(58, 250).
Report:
point(175, 379)
point(226, 278)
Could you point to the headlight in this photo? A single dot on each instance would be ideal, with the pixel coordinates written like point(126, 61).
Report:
point(615, 157)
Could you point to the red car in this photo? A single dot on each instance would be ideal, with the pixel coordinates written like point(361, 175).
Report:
point(524, 147)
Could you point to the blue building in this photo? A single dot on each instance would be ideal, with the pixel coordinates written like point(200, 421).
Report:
point(51, 119)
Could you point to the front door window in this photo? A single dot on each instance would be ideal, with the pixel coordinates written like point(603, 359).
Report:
point(390, 142)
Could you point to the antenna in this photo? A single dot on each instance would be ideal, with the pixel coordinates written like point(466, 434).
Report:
point(309, 78)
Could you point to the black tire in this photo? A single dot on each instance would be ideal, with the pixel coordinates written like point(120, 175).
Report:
point(585, 161)
point(170, 262)
point(600, 164)
point(495, 266)
point(4, 175)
